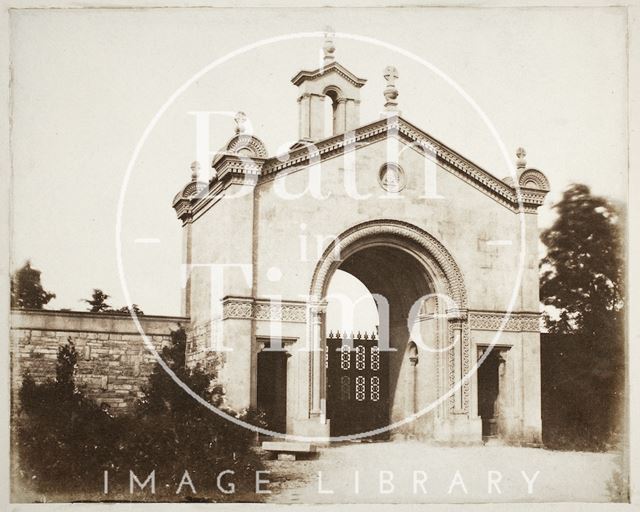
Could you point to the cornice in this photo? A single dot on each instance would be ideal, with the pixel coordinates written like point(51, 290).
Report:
point(452, 161)
point(187, 198)
point(247, 308)
point(238, 166)
point(264, 309)
point(230, 169)
point(236, 169)
point(335, 67)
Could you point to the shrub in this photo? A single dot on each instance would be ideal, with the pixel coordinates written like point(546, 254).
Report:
point(65, 441)
point(171, 432)
point(62, 436)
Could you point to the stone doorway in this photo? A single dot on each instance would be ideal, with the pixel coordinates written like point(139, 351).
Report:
point(490, 379)
point(272, 388)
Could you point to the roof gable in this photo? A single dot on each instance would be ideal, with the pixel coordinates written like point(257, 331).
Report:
point(452, 161)
point(233, 168)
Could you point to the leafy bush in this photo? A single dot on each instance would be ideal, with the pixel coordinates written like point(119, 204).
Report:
point(65, 441)
point(170, 431)
point(62, 436)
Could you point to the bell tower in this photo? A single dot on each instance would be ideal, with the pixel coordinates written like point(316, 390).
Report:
point(331, 90)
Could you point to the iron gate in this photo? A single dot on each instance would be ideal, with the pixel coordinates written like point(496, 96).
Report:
point(357, 384)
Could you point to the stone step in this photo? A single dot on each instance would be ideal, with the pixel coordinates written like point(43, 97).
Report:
point(289, 447)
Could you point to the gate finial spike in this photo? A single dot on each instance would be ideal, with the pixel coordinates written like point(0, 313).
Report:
point(366, 335)
point(330, 334)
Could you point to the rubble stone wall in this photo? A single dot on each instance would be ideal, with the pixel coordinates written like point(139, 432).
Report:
point(113, 362)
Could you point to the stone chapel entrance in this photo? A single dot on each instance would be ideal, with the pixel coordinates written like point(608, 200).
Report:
point(395, 220)
point(371, 379)
point(421, 345)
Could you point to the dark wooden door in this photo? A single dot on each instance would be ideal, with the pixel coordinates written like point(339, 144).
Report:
point(357, 385)
point(488, 389)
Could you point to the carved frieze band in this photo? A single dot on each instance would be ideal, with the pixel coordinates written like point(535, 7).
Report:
point(262, 309)
point(516, 322)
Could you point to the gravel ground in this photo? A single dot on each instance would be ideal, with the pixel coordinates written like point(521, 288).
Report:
point(411, 472)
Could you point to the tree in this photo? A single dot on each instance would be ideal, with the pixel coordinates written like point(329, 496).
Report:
point(98, 301)
point(583, 356)
point(26, 289)
point(582, 271)
point(170, 429)
point(136, 309)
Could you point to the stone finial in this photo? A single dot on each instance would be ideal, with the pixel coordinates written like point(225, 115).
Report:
point(241, 122)
point(328, 47)
point(195, 170)
point(521, 162)
point(390, 91)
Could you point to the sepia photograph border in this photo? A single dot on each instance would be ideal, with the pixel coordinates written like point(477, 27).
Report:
point(633, 242)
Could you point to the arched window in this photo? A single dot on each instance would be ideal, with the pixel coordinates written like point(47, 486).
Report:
point(331, 120)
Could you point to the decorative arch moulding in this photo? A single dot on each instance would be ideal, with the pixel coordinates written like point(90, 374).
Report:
point(403, 232)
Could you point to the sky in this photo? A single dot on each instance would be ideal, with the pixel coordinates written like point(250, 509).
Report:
point(87, 82)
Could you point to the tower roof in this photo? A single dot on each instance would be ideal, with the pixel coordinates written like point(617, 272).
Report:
point(333, 67)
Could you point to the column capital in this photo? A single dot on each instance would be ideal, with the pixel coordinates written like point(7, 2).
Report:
point(456, 315)
point(317, 307)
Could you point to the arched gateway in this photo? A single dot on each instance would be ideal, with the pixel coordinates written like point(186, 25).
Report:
point(424, 298)
point(434, 237)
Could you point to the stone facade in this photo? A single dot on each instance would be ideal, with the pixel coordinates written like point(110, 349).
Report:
point(403, 213)
point(113, 363)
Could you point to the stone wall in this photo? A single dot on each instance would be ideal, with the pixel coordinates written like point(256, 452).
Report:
point(198, 349)
point(113, 363)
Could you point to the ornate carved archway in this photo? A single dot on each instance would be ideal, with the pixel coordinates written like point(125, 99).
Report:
point(433, 251)
point(438, 263)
